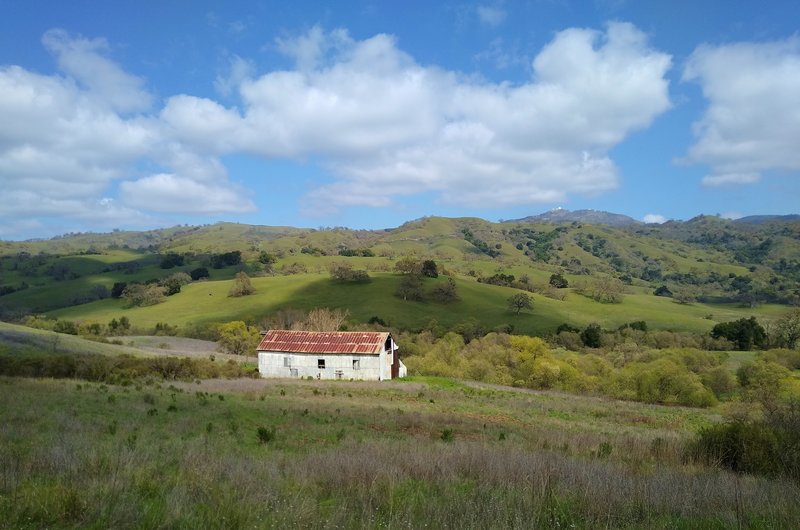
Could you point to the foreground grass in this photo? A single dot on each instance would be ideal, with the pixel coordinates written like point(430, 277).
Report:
point(425, 453)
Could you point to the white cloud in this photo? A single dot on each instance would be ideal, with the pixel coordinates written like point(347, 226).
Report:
point(491, 15)
point(59, 139)
point(174, 194)
point(726, 179)
point(751, 125)
point(382, 124)
point(239, 70)
point(501, 55)
point(387, 126)
point(654, 218)
point(82, 60)
point(67, 138)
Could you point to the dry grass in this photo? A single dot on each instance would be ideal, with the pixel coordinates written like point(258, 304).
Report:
point(348, 455)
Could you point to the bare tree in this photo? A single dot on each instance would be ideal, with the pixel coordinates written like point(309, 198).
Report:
point(323, 319)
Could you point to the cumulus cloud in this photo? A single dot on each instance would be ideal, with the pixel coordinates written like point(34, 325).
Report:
point(654, 218)
point(174, 194)
point(239, 69)
point(387, 127)
point(83, 60)
point(751, 124)
point(66, 139)
point(384, 126)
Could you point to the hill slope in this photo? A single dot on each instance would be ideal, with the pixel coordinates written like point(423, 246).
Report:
point(711, 265)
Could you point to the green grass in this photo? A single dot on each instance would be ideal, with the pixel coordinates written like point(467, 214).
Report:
point(437, 238)
point(203, 303)
point(13, 336)
point(404, 455)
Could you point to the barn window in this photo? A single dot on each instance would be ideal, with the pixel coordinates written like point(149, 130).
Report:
point(321, 364)
point(356, 364)
point(287, 361)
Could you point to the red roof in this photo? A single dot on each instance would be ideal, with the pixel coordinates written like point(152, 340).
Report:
point(345, 342)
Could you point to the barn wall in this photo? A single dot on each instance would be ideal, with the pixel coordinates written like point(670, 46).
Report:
point(371, 367)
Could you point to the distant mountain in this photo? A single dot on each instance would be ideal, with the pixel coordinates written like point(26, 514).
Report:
point(761, 219)
point(598, 217)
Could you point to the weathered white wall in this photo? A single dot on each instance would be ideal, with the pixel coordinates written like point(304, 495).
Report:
point(373, 367)
point(271, 364)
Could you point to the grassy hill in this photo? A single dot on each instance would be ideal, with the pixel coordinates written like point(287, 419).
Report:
point(206, 303)
point(724, 270)
point(280, 454)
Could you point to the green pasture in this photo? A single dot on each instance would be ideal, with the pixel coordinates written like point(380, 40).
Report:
point(208, 302)
point(298, 454)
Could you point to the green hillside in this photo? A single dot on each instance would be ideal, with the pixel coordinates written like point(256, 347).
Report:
point(203, 303)
point(717, 269)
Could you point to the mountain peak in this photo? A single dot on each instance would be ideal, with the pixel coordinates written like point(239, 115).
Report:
point(562, 215)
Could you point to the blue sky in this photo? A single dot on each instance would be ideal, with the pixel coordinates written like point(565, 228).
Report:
point(138, 115)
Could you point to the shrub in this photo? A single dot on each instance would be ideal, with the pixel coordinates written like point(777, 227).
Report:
point(227, 259)
point(117, 289)
point(745, 333)
point(663, 291)
point(344, 272)
point(430, 269)
point(171, 260)
point(199, 273)
point(65, 326)
point(238, 338)
point(768, 447)
point(242, 286)
point(143, 294)
point(172, 284)
point(591, 336)
point(447, 435)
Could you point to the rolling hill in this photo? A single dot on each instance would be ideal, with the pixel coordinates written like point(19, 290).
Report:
point(717, 269)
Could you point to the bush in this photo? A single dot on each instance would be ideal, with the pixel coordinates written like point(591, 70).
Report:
point(171, 260)
point(101, 368)
point(265, 434)
point(745, 333)
point(117, 289)
point(344, 272)
point(227, 259)
point(242, 286)
point(173, 283)
point(237, 338)
point(65, 326)
point(143, 294)
point(663, 291)
point(199, 273)
point(592, 336)
point(430, 269)
point(767, 447)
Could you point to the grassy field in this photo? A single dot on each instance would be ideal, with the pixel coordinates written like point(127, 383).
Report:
point(204, 303)
point(421, 453)
point(711, 259)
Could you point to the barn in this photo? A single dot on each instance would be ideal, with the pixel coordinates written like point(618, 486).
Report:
point(361, 355)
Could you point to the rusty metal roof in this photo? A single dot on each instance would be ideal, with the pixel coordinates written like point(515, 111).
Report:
point(342, 342)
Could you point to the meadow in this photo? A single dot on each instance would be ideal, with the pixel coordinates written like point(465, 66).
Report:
point(426, 452)
point(130, 430)
point(204, 303)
